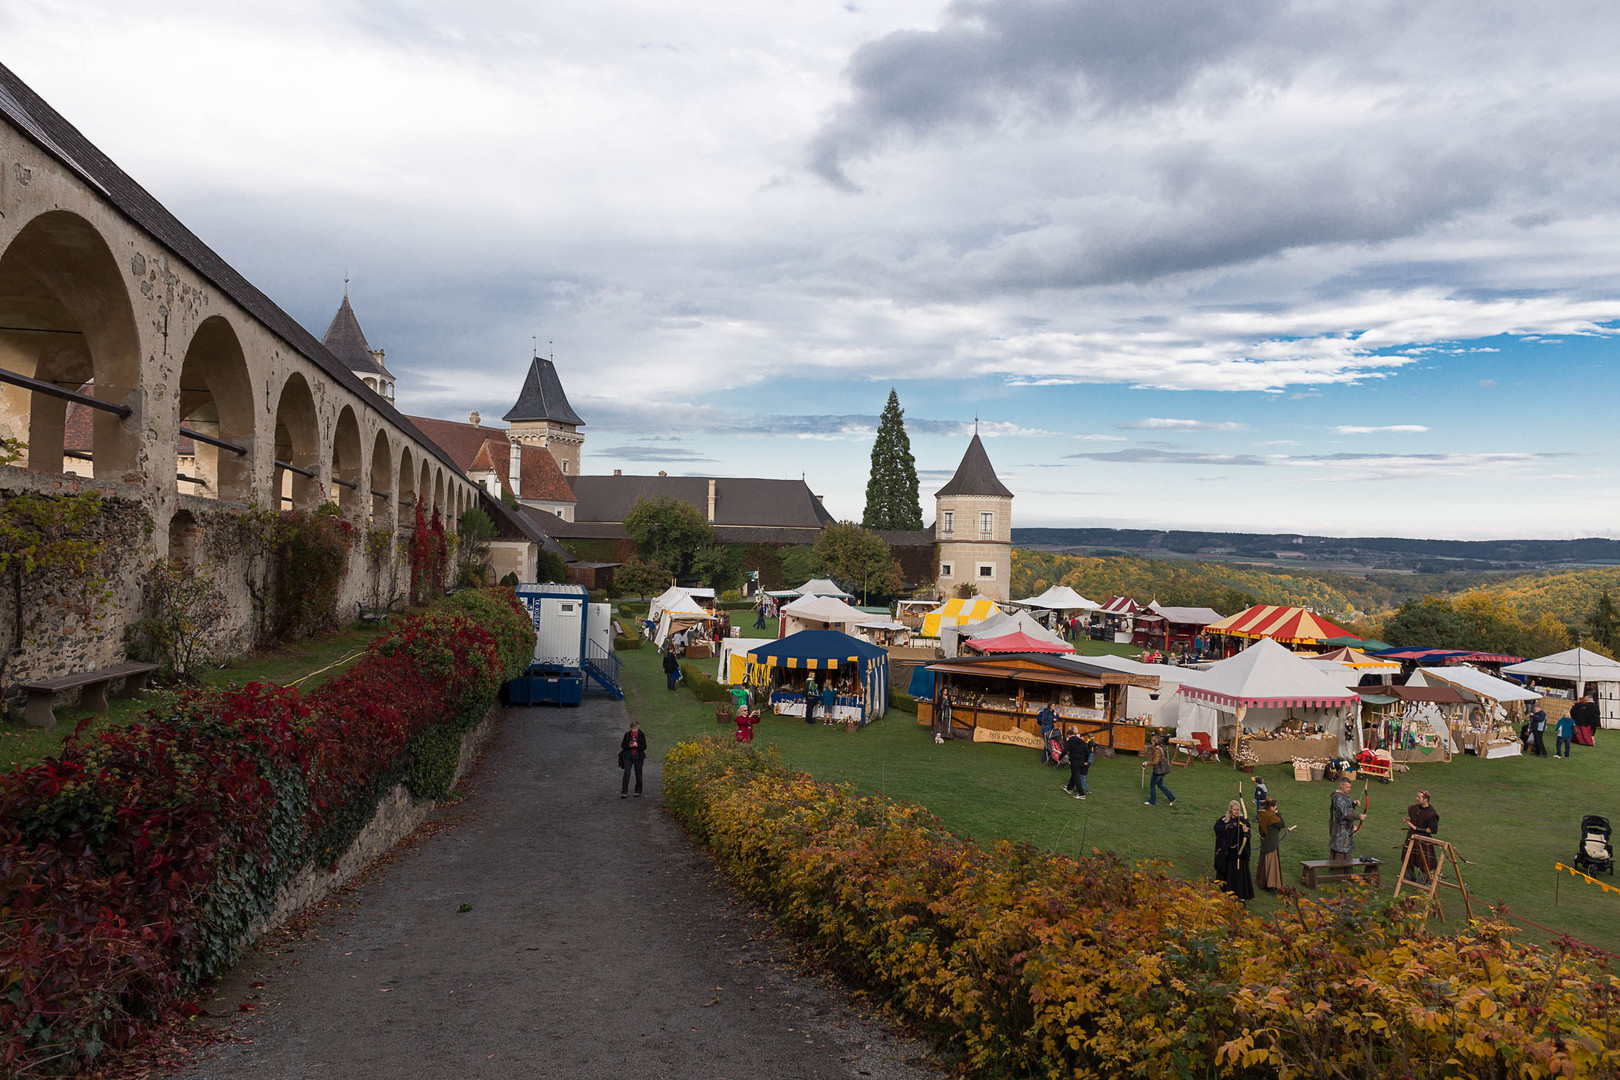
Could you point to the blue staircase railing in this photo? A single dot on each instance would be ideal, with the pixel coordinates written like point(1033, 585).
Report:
point(602, 668)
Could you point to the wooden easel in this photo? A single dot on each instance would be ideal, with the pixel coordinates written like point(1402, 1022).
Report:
point(1439, 853)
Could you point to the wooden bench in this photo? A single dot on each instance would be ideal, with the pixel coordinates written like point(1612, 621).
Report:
point(373, 615)
point(1323, 871)
point(92, 686)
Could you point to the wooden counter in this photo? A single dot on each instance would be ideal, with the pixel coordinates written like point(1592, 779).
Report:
point(1282, 751)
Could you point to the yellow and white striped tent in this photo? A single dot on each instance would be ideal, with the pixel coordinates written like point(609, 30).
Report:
point(957, 612)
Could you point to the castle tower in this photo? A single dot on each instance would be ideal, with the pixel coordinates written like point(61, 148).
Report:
point(345, 340)
point(543, 417)
point(973, 527)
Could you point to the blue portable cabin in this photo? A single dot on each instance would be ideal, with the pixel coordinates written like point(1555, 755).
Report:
point(822, 651)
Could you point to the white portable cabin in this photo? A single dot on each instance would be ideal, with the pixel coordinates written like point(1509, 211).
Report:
point(560, 614)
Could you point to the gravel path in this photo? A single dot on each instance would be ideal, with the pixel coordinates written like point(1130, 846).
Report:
point(598, 944)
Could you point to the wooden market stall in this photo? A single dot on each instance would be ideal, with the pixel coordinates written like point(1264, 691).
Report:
point(1000, 696)
point(1489, 723)
point(1413, 723)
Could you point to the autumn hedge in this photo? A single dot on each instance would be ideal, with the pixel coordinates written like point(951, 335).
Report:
point(133, 866)
point(1027, 963)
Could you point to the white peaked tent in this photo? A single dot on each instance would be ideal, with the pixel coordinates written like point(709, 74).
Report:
point(1486, 692)
point(1583, 669)
point(678, 614)
point(1060, 598)
point(1261, 687)
point(821, 613)
point(1003, 623)
point(674, 596)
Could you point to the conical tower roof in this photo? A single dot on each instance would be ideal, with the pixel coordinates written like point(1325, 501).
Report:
point(542, 397)
point(345, 340)
point(975, 476)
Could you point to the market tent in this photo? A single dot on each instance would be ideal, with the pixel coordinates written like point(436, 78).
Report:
point(1418, 711)
point(1159, 704)
point(1292, 624)
point(679, 614)
point(1186, 616)
point(674, 595)
point(1474, 681)
point(1120, 605)
point(732, 669)
point(956, 612)
point(1016, 642)
point(1006, 623)
point(1060, 598)
point(825, 650)
point(1354, 658)
point(1258, 689)
point(820, 613)
point(1343, 674)
point(1369, 645)
point(1582, 668)
point(1489, 730)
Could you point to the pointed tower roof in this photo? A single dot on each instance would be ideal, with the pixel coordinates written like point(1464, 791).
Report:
point(345, 340)
point(542, 397)
point(975, 476)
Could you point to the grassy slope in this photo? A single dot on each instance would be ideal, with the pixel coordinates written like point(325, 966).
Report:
point(22, 745)
point(1513, 818)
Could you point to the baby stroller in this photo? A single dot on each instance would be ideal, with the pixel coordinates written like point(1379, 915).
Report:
point(1597, 850)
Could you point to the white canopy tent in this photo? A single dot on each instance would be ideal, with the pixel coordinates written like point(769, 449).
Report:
point(821, 613)
point(1259, 689)
point(681, 613)
point(674, 596)
point(1486, 693)
point(1584, 670)
point(1161, 704)
point(813, 587)
point(1060, 598)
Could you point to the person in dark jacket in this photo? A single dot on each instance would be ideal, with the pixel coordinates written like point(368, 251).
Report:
point(632, 752)
point(1587, 718)
point(672, 668)
point(1079, 751)
point(1232, 853)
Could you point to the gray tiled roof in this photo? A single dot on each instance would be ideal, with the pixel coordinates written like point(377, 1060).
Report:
point(30, 114)
point(975, 476)
point(345, 340)
point(744, 501)
point(542, 397)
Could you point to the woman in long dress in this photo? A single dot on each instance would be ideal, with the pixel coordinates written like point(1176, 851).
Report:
point(1272, 831)
point(1232, 853)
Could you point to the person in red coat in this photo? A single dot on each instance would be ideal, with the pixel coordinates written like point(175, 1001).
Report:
point(632, 752)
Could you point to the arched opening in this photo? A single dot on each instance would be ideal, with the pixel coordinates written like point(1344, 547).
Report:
point(424, 489)
point(438, 497)
point(298, 456)
point(216, 402)
point(68, 326)
point(407, 490)
point(382, 481)
point(347, 471)
point(184, 537)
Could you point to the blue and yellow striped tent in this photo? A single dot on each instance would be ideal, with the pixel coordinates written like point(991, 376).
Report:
point(823, 650)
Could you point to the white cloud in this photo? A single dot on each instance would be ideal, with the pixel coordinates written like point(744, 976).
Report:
point(1352, 429)
point(1165, 423)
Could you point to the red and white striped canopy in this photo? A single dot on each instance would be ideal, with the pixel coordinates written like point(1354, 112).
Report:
point(1291, 624)
point(1121, 605)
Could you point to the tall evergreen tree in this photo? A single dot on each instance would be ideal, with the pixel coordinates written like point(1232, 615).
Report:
point(891, 490)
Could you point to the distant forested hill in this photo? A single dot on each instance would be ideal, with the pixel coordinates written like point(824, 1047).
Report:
point(1383, 552)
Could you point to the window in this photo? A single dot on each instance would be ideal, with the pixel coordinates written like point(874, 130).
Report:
point(945, 569)
point(950, 521)
point(987, 523)
point(565, 466)
point(987, 570)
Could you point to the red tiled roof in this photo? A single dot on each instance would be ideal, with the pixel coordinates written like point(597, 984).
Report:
point(484, 449)
point(460, 441)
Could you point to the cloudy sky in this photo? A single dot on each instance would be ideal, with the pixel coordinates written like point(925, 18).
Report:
point(1343, 268)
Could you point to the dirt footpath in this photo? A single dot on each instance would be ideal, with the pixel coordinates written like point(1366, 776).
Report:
point(598, 944)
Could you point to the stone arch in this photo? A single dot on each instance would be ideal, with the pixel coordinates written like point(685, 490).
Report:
point(347, 465)
point(185, 538)
point(439, 503)
point(298, 439)
point(216, 398)
point(382, 479)
point(406, 495)
point(70, 323)
point(424, 488)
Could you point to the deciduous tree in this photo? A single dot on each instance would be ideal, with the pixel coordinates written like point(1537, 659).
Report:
point(860, 558)
point(668, 531)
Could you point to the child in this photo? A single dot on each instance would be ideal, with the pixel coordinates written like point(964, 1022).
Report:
point(1261, 795)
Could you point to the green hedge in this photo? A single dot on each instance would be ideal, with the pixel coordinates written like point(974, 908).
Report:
point(628, 643)
point(903, 702)
point(702, 686)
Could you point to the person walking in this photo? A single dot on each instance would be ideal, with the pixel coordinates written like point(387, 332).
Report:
point(1079, 752)
point(1272, 830)
point(1565, 730)
point(1342, 818)
point(812, 695)
point(1422, 819)
point(759, 616)
point(1232, 853)
point(1159, 763)
point(672, 668)
point(1586, 716)
point(632, 752)
point(1538, 729)
point(1047, 718)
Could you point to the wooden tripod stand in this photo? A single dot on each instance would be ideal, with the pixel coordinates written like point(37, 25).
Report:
point(1436, 853)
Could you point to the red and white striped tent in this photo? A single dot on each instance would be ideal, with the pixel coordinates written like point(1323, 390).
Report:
point(1293, 625)
point(1120, 605)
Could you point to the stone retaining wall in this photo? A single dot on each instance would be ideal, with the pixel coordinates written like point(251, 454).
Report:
point(397, 817)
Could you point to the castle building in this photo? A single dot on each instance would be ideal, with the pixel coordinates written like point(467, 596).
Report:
point(345, 340)
point(973, 528)
point(542, 417)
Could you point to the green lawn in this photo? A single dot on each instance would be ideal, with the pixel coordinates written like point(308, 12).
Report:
point(21, 745)
point(1513, 818)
